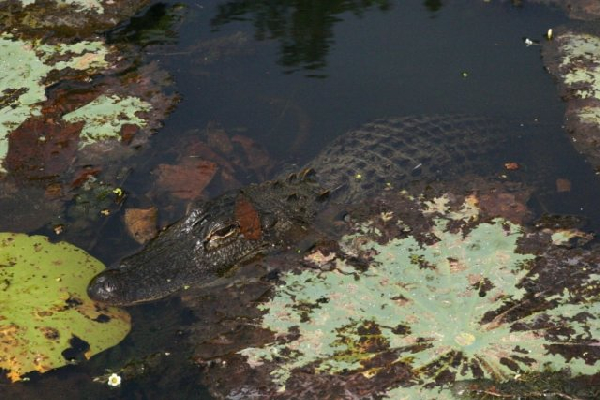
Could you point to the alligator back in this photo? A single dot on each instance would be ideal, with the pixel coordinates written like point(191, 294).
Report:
point(395, 151)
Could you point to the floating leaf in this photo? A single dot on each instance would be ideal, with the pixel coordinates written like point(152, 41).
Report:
point(45, 308)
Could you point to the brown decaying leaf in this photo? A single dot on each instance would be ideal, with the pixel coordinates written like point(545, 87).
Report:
point(201, 150)
point(258, 158)
point(506, 205)
point(563, 185)
point(218, 139)
point(141, 223)
point(82, 176)
point(248, 218)
point(511, 166)
point(128, 132)
point(42, 148)
point(186, 180)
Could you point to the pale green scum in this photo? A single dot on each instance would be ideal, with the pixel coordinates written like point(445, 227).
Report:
point(105, 116)
point(24, 65)
point(435, 293)
point(581, 60)
point(78, 5)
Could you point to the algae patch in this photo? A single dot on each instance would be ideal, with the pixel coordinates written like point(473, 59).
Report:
point(45, 307)
point(26, 66)
point(446, 310)
point(78, 5)
point(582, 51)
point(105, 116)
point(573, 57)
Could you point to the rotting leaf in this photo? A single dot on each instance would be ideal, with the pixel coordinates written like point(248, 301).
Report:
point(45, 307)
point(563, 185)
point(258, 158)
point(186, 180)
point(141, 223)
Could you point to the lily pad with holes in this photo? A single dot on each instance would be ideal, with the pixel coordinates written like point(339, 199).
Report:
point(46, 318)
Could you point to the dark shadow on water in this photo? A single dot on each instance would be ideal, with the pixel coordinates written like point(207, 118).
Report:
point(433, 5)
point(304, 28)
point(156, 25)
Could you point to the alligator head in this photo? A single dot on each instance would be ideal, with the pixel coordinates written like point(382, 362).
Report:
point(209, 241)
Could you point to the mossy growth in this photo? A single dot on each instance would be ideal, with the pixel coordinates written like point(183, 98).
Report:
point(45, 311)
point(452, 309)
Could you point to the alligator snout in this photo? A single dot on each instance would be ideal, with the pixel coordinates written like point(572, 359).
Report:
point(127, 285)
point(109, 287)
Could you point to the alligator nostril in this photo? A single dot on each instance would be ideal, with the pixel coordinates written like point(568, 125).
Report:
point(102, 287)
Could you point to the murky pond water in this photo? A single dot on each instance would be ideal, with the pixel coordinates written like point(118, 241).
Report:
point(291, 76)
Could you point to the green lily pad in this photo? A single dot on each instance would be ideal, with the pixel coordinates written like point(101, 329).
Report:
point(44, 307)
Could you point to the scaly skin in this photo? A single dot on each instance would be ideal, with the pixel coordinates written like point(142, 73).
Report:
point(222, 233)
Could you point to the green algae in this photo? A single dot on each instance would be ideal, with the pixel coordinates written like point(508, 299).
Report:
point(105, 116)
point(44, 305)
point(582, 61)
point(420, 393)
point(590, 115)
point(581, 72)
point(25, 68)
point(441, 308)
point(78, 5)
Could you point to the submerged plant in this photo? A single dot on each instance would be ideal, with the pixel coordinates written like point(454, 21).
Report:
point(453, 308)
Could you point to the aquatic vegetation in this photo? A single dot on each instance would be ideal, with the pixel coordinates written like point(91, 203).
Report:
point(454, 306)
point(46, 319)
point(421, 393)
point(581, 49)
point(106, 115)
point(26, 68)
point(64, 18)
point(577, 9)
point(79, 5)
point(55, 137)
point(573, 58)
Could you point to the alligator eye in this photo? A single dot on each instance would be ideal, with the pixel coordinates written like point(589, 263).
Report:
point(215, 238)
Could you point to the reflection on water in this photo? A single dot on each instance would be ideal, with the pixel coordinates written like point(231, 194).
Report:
point(304, 29)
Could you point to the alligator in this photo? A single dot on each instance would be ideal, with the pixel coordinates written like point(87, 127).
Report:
point(227, 231)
